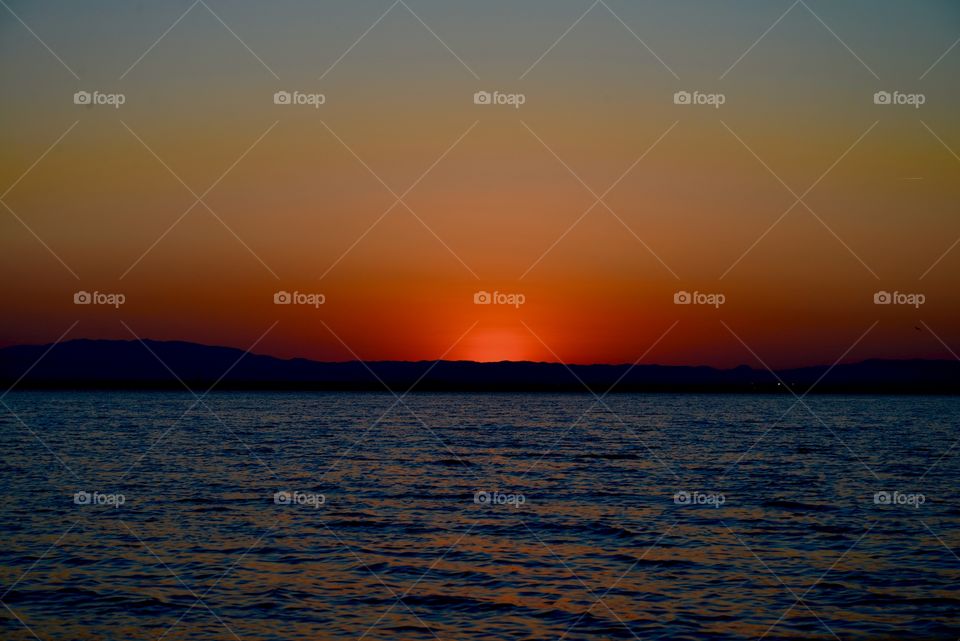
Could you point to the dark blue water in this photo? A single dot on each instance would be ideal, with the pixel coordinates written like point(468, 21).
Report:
point(145, 516)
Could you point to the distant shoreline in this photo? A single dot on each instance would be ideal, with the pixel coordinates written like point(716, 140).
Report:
point(235, 389)
point(173, 365)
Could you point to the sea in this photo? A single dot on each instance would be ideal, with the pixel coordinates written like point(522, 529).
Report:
point(428, 516)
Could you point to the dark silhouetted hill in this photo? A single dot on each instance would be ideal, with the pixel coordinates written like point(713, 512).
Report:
point(105, 364)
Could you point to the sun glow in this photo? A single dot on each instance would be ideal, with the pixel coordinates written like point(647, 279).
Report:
point(491, 344)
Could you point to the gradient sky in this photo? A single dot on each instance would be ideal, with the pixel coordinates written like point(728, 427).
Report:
point(485, 216)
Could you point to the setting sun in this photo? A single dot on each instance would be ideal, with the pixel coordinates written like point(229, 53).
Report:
point(499, 343)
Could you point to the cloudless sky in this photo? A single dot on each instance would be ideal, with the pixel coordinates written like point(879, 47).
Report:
point(305, 203)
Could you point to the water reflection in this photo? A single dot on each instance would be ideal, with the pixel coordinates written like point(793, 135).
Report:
point(400, 547)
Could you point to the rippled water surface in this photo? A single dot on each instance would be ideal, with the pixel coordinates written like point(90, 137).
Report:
point(478, 517)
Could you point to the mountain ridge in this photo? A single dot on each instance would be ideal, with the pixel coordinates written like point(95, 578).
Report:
point(133, 364)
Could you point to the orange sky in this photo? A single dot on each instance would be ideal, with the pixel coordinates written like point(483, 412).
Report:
point(499, 194)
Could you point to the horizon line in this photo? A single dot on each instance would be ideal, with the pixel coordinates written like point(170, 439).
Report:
point(761, 367)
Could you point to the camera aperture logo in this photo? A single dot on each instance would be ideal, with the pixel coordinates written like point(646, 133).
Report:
point(484, 297)
point(699, 98)
point(299, 98)
point(98, 298)
point(898, 298)
point(712, 499)
point(83, 497)
point(309, 499)
point(515, 100)
point(698, 298)
point(98, 98)
point(909, 499)
point(898, 98)
point(298, 298)
point(499, 498)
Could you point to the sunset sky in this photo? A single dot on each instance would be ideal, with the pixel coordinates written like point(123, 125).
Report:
point(300, 197)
